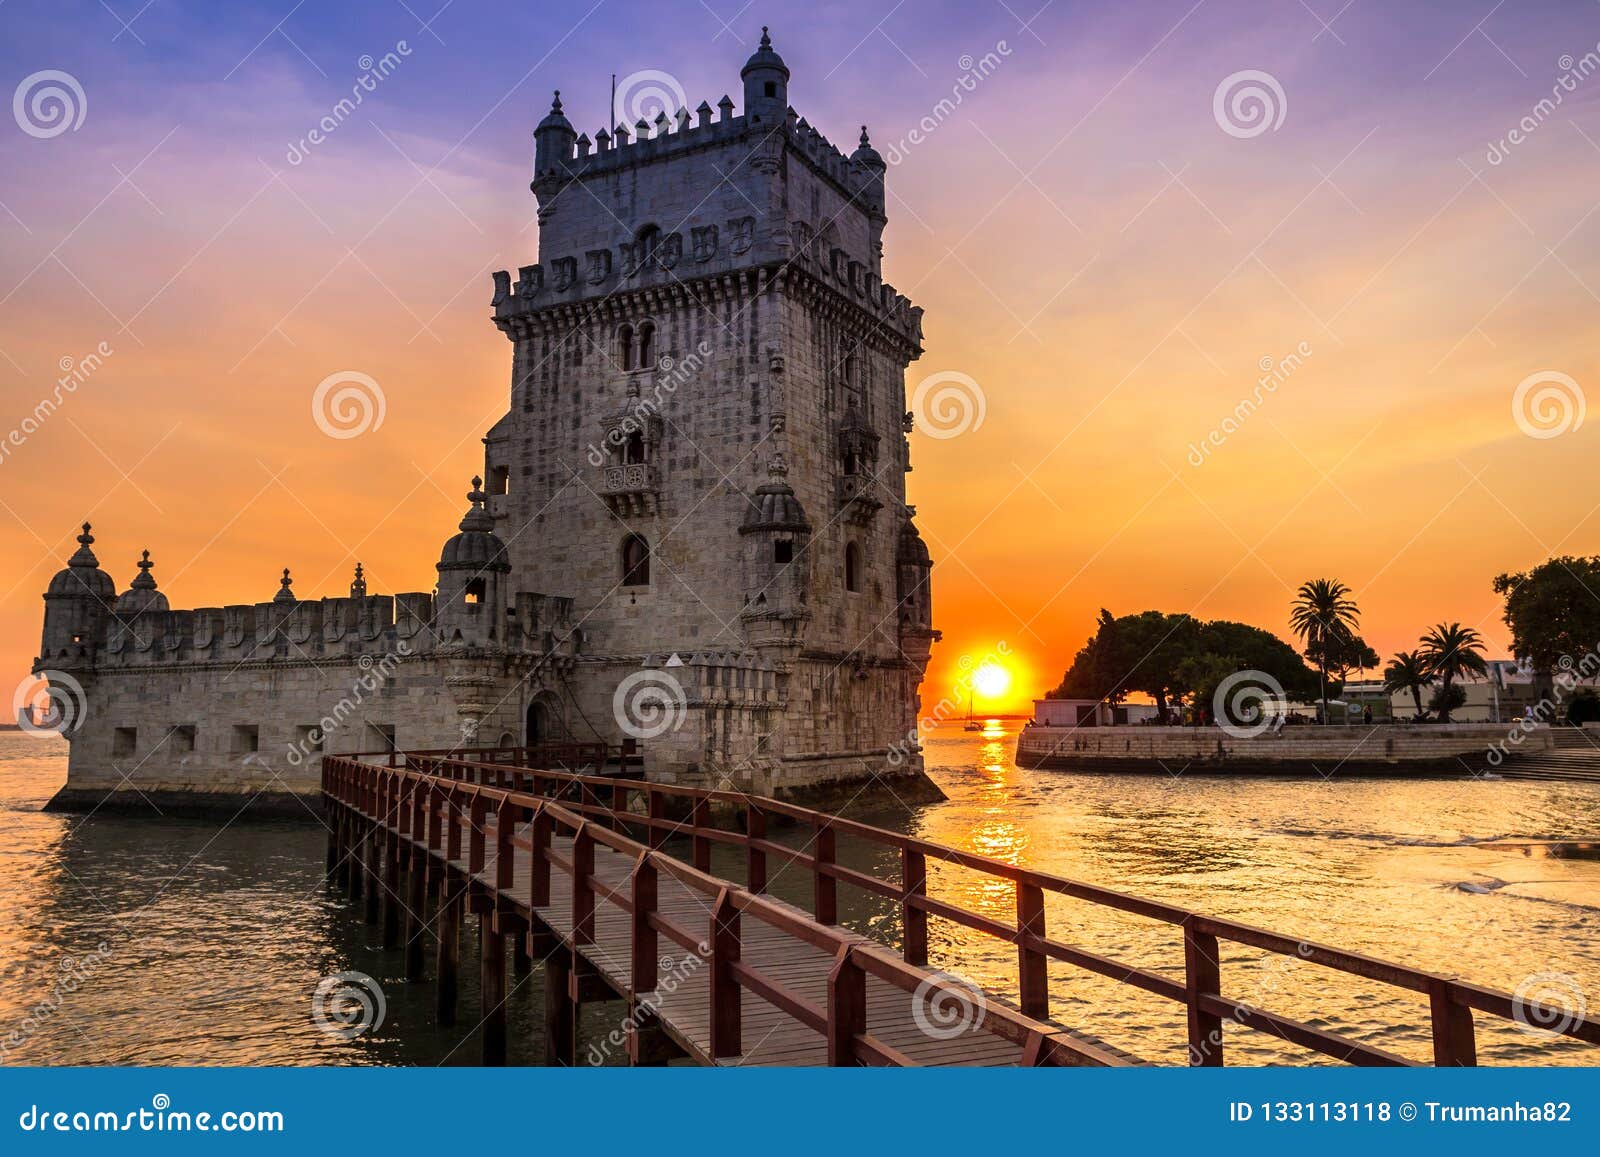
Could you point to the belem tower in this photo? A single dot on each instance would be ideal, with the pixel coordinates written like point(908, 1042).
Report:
point(690, 539)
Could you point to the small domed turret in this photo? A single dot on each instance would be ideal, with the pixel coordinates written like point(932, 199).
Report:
point(553, 142)
point(477, 547)
point(766, 84)
point(142, 595)
point(866, 155)
point(83, 576)
point(76, 605)
point(285, 595)
point(472, 600)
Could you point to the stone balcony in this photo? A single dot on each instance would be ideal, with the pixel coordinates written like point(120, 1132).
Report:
point(630, 489)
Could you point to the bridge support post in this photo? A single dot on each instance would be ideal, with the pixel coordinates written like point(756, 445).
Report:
point(353, 849)
point(448, 961)
point(416, 914)
point(391, 892)
point(521, 959)
point(369, 868)
point(648, 1044)
point(560, 1010)
point(341, 867)
point(492, 983)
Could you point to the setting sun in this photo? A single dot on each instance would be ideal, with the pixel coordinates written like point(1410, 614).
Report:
point(991, 680)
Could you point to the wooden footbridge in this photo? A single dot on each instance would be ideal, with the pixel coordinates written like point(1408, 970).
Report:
point(570, 868)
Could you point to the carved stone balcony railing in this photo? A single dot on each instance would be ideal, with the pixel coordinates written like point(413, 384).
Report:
point(629, 489)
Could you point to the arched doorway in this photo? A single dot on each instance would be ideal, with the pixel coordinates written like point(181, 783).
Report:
point(540, 724)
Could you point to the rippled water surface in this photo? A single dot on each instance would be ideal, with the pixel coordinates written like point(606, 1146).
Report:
point(200, 942)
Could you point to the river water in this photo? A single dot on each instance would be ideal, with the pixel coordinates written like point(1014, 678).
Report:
point(166, 941)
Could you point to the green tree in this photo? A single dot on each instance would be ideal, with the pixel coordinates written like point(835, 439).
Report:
point(1322, 614)
point(1553, 611)
point(1445, 699)
point(1407, 672)
point(1452, 651)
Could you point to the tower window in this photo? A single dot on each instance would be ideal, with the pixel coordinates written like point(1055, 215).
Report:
point(246, 738)
point(852, 567)
point(648, 237)
point(772, 88)
point(183, 737)
point(633, 450)
point(625, 346)
point(123, 741)
point(647, 338)
point(635, 562)
point(473, 596)
point(499, 479)
point(783, 551)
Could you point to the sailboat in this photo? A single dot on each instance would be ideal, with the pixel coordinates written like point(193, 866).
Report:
point(971, 724)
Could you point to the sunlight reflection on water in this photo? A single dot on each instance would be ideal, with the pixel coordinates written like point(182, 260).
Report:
point(221, 934)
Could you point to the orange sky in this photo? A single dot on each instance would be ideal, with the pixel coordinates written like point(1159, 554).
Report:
point(1091, 248)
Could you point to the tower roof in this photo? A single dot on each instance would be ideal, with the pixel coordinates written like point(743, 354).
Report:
point(765, 58)
point(773, 505)
point(865, 154)
point(477, 547)
point(555, 119)
point(142, 595)
point(285, 591)
point(83, 576)
point(911, 549)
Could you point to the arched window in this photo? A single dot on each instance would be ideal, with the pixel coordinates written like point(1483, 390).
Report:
point(633, 450)
point(474, 592)
point(647, 341)
point(635, 562)
point(852, 567)
point(625, 346)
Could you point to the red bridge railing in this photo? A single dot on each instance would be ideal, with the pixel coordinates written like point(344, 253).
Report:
point(450, 797)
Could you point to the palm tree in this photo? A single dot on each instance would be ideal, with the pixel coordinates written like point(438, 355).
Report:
point(1451, 651)
point(1321, 614)
point(1407, 671)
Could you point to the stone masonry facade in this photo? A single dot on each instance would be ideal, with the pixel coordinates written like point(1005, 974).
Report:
point(690, 541)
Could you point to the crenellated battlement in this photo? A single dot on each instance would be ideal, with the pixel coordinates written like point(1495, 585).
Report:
point(632, 266)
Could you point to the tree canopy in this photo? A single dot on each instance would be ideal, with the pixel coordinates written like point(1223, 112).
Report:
point(1168, 657)
point(1553, 610)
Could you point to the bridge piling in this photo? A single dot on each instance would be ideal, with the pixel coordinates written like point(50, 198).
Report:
point(369, 868)
point(416, 916)
point(560, 1010)
point(391, 892)
point(448, 958)
point(492, 985)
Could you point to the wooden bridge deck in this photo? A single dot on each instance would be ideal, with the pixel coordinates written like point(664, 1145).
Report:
point(718, 972)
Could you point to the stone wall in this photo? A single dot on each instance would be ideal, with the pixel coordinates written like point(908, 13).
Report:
point(1327, 751)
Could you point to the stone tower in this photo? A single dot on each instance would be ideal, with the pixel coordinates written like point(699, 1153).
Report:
point(706, 443)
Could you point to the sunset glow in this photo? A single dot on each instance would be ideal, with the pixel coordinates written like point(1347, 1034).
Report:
point(1112, 269)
